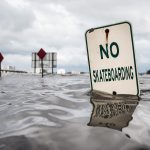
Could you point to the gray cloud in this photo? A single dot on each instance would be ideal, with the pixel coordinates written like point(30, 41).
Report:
point(56, 25)
point(15, 19)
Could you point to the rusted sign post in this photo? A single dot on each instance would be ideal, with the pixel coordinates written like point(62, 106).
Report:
point(41, 55)
point(1, 59)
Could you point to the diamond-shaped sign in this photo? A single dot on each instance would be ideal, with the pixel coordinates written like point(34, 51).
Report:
point(1, 57)
point(41, 53)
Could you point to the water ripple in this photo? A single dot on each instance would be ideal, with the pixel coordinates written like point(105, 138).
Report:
point(55, 110)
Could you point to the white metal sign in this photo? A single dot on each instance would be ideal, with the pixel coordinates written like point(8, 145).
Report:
point(112, 60)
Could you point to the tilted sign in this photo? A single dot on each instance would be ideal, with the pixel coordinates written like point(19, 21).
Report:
point(1, 57)
point(112, 60)
point(49, 60)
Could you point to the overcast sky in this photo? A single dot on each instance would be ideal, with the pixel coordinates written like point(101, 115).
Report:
point(59, 26)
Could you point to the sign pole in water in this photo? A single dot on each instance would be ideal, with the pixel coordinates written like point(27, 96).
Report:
point(0, 69)
point(34, 62)
point(111, 59)
point(41, 55)
point(42, 66)
point(1, 59)
point(52, 62)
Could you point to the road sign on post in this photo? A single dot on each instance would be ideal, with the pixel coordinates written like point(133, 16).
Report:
point(111, 59)
point(41, 55)
point(1, 59)
point(49, 61)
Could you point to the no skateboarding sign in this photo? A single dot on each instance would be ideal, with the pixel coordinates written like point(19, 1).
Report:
point(111, 59)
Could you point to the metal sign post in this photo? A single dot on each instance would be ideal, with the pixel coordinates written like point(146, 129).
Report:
point(1, 59)
point(111, 59)
point(52, 62)
point(0, 69)
point(42, 66)
point(35, 63)
point(41, 55)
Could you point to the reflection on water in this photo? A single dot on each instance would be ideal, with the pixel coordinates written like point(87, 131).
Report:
point(112, 111)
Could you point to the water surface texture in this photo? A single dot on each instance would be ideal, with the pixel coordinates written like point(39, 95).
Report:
point(52, 114)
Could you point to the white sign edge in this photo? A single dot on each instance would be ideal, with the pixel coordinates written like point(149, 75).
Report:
point(92, 29)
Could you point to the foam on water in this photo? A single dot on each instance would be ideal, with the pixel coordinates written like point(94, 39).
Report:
point(53, 113)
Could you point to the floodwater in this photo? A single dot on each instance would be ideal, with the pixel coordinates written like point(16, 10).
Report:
point(60, 113)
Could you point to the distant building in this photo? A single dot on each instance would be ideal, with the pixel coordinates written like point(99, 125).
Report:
point(68, 73)
point(8, 68)
point(75, 72)
point(86, 73)
point(11, 68)
point(61, 71)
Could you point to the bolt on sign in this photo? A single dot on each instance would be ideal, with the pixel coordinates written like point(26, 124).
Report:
point(111, 59)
